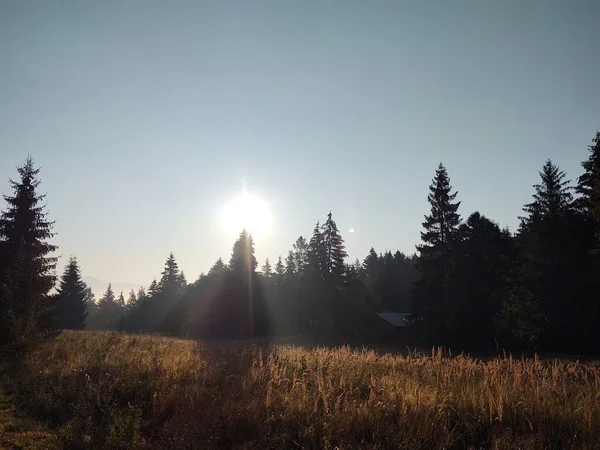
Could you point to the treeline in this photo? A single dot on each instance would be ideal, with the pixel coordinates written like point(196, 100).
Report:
point(472, 284)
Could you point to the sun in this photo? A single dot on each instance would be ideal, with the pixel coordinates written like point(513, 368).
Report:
point(247, 212)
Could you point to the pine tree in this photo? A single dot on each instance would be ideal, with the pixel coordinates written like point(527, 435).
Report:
point(300, 251)
point(335, 249)
point(171, 284)
point(153, 289)
point(279, 268)
point(290, 265)
point(219, 268)
point(317, 254)
point(238, 308)
point(120, 301)
point(109, 310)
point(588, 188)
point(71, 298)
point(108, 297)
point(242, 259)
point(131, 299)
point(371, 267)
point(588, 184)
point(433, 294)
point(545, 258)
point(484, 261)
point(91, 307)
point(182, 281)
point(266, 270)
point(26, 269)
point(357, 267)
point(588, 233)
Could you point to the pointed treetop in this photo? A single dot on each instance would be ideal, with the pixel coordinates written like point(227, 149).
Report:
point(266, 269)
point(551, 198)
point(218, 268)
point(242, 259)
point(441, 225)
point(279, 267)
point(335, 250)
point(109, 295)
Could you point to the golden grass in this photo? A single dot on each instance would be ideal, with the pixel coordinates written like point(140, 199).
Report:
point(109, 390)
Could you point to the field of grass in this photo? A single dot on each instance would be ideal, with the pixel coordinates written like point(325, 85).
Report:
point(109, 390)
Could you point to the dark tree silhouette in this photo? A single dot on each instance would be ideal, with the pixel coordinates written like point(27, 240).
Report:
point(91, 308)
point(218, 268)
point(267, 270)
point(317, 255)
point(238, 310)
point(132, 299)
point(588, 185)
point(542, 285)
point(300, 251)
point(485, 255)
point(109, 310)
point(71, 304)
point(473, 284)
point(172, 282)
point(26, 267)
point(290, 266)
point(335, 250)
point(279, 269)
point(433, 291)
point(153, 288)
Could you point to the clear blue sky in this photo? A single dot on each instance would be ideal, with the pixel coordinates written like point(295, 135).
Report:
point(146, 116)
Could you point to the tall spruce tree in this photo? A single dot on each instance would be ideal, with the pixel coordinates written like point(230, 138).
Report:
point(121, 300)
point(279, 268)
point(26, 267)
point(371, 266)
point(300, 252)
point(109, 310)
point(171, 284)
point(537, 303)
point(587, 234)
point(239, 308)
point(335, 249)
point(290, 265)
point(317, 254)
point(132, 300)
point(588, 185)
point(153, 289)
point(266, 269)
point(433, 292)
point(71, 304)
point(242, 259)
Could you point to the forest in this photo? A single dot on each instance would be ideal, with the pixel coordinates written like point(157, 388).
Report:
point(471, 284)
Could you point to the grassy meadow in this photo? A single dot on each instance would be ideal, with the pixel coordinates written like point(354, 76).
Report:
point(111, 390)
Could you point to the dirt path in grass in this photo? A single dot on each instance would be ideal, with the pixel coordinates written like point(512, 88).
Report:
point(17, 432)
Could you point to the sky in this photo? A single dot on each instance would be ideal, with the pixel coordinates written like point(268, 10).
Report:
point(148, 117)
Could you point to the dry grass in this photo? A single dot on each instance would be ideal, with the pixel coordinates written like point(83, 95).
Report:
point(17, 432)
point(108, 390)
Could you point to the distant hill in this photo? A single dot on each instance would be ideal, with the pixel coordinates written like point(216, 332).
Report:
point(99, 286)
